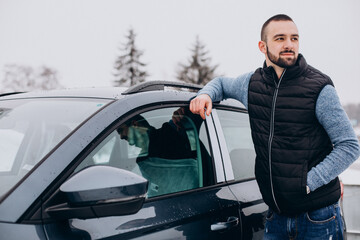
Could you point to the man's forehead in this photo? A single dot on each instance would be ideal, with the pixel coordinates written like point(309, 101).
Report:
point(281, 28)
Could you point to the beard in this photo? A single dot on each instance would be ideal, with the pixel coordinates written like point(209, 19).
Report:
point(283, 62)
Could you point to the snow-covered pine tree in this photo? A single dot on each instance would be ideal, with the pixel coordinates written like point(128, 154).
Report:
point(198, 70)
point(128, 67)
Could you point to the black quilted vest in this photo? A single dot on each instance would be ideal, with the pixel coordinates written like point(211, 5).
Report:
point(288, 138)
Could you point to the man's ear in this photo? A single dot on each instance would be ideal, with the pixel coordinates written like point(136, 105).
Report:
point(262, 47)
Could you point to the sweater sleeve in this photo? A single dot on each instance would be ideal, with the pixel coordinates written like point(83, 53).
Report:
point(222, 88)
point(333, 118)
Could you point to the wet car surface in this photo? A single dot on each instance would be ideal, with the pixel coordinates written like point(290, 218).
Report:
point(135, 163)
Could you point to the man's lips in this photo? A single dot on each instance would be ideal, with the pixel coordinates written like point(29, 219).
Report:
point(287, 54)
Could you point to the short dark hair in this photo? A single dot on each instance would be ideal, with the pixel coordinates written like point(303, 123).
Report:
point(278, 17)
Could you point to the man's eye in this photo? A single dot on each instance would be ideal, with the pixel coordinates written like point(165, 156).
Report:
point(279, 39)
point(294, 39)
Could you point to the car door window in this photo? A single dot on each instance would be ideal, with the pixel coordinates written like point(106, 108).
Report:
point(169, 147)
point(237, 133)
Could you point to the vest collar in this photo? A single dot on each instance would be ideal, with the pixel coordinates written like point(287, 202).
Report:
point(292, 72)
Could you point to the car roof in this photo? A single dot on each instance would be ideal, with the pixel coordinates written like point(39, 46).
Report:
point(114, 93)
point(102, 92)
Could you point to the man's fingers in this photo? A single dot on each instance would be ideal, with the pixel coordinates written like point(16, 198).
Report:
point(192, 106)
point(202, 113)
point(195, 106)
point(198, 105)
point(209, 108)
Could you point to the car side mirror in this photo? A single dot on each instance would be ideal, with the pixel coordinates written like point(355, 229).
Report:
point(100, 191)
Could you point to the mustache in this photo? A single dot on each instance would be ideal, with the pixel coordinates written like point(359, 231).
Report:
point(287, 51)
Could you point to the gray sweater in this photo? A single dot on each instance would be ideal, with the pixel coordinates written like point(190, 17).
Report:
point(329, 113)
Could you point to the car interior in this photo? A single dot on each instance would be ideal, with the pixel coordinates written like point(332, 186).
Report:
point(170, 156)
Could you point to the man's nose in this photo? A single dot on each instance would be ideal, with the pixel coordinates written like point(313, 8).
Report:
point(288, 44)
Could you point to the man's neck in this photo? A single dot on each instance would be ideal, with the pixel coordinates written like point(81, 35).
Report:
point(278, 70)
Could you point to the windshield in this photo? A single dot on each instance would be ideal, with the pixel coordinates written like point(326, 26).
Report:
point(31, 128)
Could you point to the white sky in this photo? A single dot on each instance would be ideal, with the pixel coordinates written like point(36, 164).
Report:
point(81, 38)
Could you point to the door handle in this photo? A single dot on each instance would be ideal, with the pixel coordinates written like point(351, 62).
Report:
point(231, 222)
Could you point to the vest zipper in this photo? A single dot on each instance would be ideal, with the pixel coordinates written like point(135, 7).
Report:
point(271, 136)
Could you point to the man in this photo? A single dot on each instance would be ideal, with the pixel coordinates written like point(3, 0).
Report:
point(302, 136)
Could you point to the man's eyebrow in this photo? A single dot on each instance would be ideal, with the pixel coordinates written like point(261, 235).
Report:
point(282, 35)
point(278, 35)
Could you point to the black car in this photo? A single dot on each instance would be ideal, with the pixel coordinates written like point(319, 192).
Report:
point(114, 163)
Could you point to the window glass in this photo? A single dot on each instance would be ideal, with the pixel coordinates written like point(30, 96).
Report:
point(31, 128)
point(236, 128)
point(169, 147)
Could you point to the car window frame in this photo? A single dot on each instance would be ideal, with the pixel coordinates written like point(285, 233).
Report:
point(229, 173)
